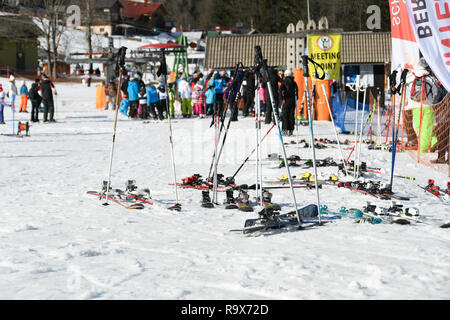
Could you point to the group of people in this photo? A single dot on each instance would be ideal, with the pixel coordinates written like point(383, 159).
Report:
point(40, 92)
point(201, 96)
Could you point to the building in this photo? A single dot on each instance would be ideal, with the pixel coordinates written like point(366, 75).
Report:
point(18, 44)
point(364, 53)
point(146, 16)
point(106, 17)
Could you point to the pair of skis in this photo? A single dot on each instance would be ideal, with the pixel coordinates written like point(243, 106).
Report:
point(436, 190)
point(270, 220)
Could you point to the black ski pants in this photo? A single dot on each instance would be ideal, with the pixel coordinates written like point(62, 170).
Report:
point(35, 104)
point(49, 109)
point(288, 115)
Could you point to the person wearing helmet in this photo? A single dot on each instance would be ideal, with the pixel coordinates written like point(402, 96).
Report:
point(288, 93)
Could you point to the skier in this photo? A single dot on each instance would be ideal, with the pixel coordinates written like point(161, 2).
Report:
point(219, 82)
point(185, 91)
point(124, 105)
point(36, 100)
point(249, 92)
point(12, 92)
point(133, 96)
point(47, 89)
point(111, 93)
point(289, 93)
point(152, 99)
point(162, 99)
point(198, 98)
point(142, 111)
point(210, 99)
point(2, 104)
point(23, 97)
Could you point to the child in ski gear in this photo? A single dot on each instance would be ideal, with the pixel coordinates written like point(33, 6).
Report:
point(152, 99)
point(23, 97)
point(171, 96)
point(142, 111)
point(210, 99)
point(2, 104)
point(133, 97)
point(36, 100)
point(124, 105)
point(47, 89)
point(162, 99)
point(198, 98)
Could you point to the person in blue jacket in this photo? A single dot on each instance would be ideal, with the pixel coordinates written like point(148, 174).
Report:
point(133, 97)
point(219, 82)
point(153, 100)
point(210, 99)
point(124, 105)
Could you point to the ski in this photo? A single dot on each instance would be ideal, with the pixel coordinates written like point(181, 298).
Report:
point(137, 205)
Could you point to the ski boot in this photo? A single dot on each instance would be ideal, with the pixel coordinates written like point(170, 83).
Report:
point(206, 200)
point(269, 216)
point(267, 201)
point(243, 202)
point(230, 202)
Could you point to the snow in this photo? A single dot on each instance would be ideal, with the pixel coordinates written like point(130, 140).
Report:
point(57, 242)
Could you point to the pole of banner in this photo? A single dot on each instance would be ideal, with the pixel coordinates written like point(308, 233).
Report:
point(334, 127)
point(421, 119)
point(379, 118)
point(356, 125)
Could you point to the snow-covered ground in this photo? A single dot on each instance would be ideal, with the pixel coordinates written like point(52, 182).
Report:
point(57, 242)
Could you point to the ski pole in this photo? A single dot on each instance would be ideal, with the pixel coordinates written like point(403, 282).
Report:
point(163, 71)
point(361, 133)
point(261, 65)
point(120, 67)
point(253, 151)
point(334, 127)
point(306, 60)
point(394, 142)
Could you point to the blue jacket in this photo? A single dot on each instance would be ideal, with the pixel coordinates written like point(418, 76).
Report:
point(133, 90)
point(218, 84)
point(210, 96)
point(23, 90)
point(152, 95)
point(124, 105)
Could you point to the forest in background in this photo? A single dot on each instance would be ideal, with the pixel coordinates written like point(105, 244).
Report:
point(273, 16)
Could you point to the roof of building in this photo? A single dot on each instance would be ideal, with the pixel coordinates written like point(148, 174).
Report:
point(225, 51)
point(136, 9)
point(364, 47)
point(101, 4)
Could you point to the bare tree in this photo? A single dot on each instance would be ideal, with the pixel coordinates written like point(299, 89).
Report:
point(51, 22)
